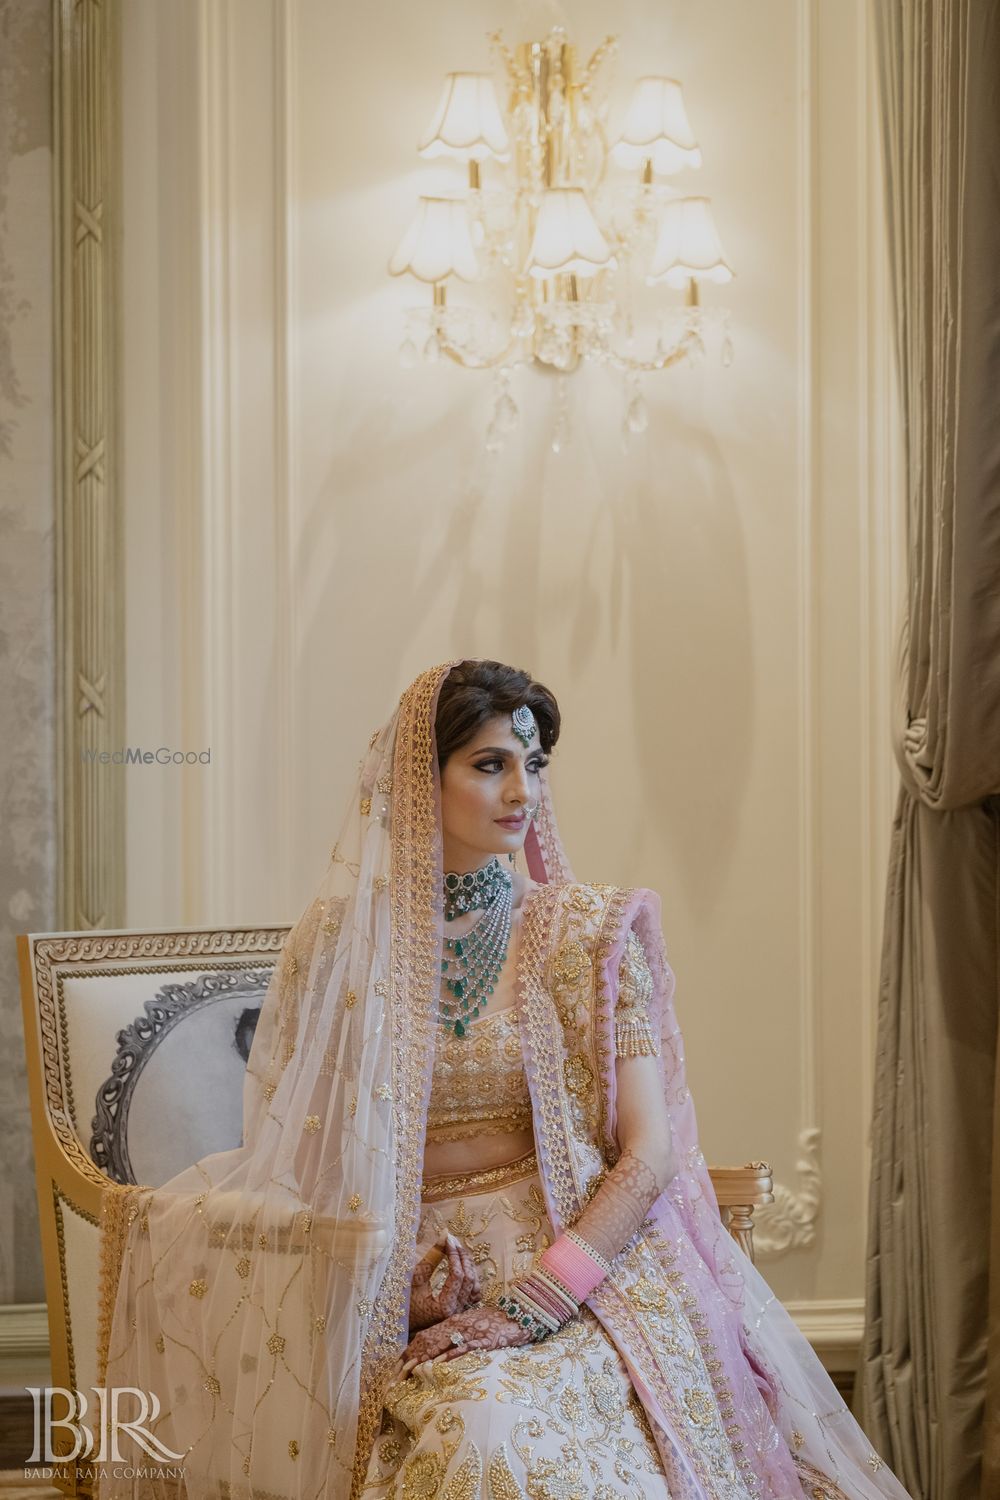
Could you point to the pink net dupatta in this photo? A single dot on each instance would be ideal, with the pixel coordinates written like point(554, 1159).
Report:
point(770, 1388)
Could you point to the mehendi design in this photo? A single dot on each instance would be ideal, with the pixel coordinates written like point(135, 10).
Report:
point(619, 1206)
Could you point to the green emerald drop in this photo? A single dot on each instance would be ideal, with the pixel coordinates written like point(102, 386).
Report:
point(459, 1028)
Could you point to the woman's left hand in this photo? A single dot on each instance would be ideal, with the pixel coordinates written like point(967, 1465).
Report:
point(483, 1327)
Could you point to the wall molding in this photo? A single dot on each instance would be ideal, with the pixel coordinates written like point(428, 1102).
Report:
point(834, 1327)
point(89, 522)
point(789, 1223)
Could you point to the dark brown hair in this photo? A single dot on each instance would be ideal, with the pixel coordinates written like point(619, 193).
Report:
point(476, 691)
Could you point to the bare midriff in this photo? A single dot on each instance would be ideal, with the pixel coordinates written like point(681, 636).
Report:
point(454, 1158)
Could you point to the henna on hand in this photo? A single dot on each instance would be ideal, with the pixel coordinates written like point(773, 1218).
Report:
point(483, 1327)
point(458, 1291)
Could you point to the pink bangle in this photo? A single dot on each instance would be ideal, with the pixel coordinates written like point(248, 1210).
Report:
point(573, 1266)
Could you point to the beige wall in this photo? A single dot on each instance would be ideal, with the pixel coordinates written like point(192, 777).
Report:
point(308, 525)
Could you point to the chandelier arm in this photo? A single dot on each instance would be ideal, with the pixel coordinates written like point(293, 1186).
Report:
point(459, 356)
point(515, 72)
point(600, 55)
point(626, 365)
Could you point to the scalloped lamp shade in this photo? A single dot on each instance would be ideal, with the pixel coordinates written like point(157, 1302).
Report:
point(438, 243)
point(468, 123)
point(657, 127)
point(567, 237)
point(688, 245)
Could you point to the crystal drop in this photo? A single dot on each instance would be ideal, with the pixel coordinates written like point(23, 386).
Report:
point(637, 416)
point(506, 413)
point(727, 352)
point(407, 354)
point(524, 324)
point(432, 349)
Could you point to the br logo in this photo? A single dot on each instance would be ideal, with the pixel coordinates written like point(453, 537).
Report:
point(111, 1425)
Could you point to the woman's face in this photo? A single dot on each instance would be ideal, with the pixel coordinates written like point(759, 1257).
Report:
point(486, 787)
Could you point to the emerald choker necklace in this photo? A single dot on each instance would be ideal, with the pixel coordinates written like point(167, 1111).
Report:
point(471, 964)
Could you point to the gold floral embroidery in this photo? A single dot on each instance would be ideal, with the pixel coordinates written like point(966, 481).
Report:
point(311, 1124)
point(198, 1288)
point(700, 1407)
point(293, 1450)
point(422, 1477)
point(354, 1202)
point(366, 806)
point(320, 1325)
point(381, 988)
point(570, 964)
point(384, 785)
point(503, 1485)
point(160, 1345)
point(579, 1076)
point(212, 1386)
point(243, 1267)
point(380, 882)
point(276, 1344)
point(350, 999)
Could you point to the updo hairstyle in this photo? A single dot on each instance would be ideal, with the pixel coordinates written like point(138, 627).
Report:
point(476, 691)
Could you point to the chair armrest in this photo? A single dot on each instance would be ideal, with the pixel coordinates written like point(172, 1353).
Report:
point(739, 1191)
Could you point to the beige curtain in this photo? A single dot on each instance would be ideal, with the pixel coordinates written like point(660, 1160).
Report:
point(929, 1387)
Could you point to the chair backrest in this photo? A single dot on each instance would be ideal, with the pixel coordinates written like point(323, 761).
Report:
point(136, 1046)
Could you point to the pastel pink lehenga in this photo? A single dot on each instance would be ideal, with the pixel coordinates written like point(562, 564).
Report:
point(264, 1292)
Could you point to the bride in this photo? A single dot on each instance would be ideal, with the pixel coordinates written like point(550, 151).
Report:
point(469, 1246)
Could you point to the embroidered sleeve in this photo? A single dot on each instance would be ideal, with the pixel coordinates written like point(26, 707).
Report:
point(633, 1030)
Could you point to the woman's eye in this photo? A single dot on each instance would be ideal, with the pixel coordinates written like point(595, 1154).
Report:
point(538, 765)
point(489, 765)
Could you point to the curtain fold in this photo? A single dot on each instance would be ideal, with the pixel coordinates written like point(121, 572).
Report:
point(929, 1383)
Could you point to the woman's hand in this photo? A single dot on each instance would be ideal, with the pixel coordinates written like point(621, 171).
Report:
point(458, 1291)
point(483, 1327)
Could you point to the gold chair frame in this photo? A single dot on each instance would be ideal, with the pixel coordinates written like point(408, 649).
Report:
point(69, 1183)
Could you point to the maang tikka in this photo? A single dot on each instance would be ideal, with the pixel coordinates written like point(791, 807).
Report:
point(524, 725)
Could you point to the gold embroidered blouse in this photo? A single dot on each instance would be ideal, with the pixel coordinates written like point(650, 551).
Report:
point(479, 1086)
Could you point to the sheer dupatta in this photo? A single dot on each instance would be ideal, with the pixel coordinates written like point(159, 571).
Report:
point(263, 1292)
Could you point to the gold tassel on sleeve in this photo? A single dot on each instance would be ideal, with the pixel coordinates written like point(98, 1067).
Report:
point(633, 1031)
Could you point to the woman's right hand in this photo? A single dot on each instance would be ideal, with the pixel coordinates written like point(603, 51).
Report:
point(459, 1290)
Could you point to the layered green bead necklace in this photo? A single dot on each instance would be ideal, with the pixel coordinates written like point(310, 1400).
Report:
point(471, 964)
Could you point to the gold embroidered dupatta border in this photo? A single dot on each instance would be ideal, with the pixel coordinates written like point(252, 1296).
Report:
point(638, 1277)
point(415, 966)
